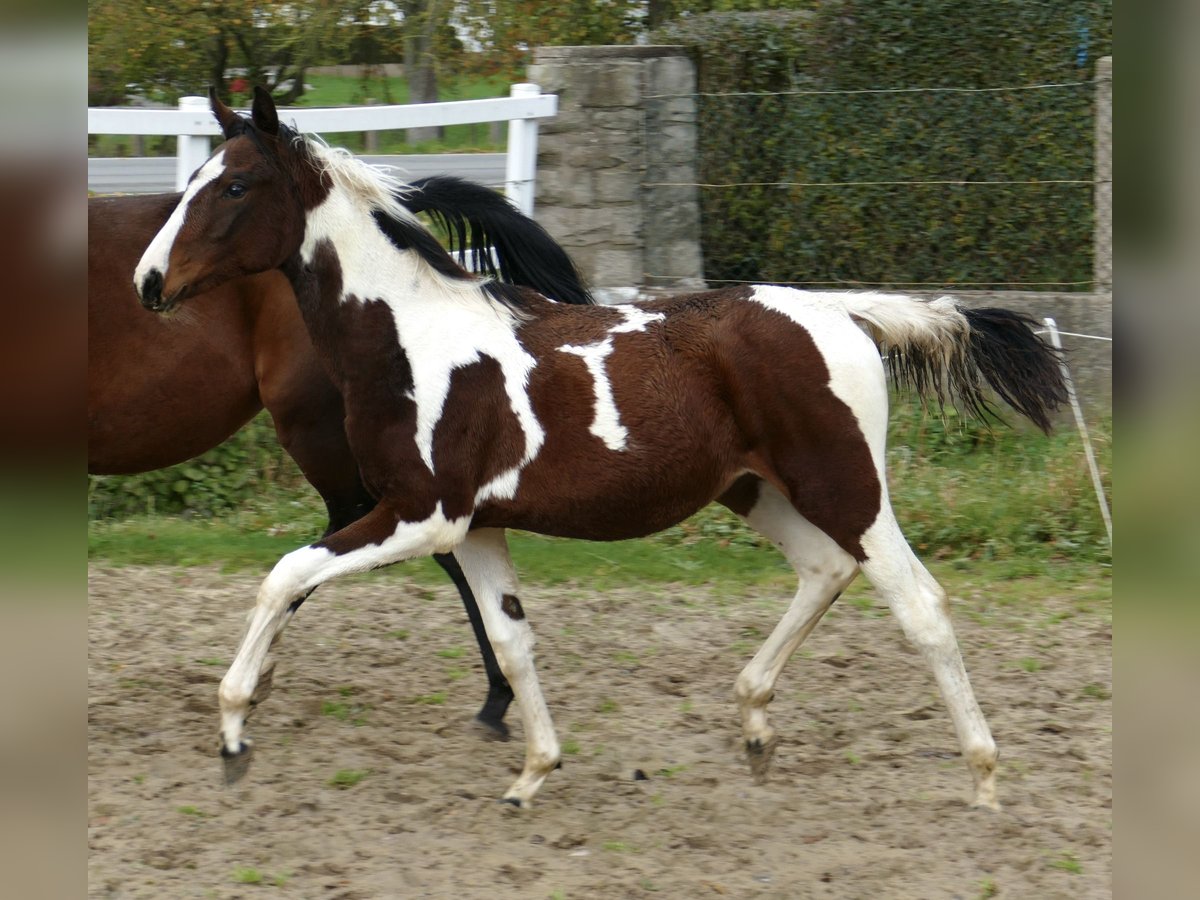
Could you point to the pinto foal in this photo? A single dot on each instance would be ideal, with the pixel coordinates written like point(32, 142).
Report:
point(474, 406)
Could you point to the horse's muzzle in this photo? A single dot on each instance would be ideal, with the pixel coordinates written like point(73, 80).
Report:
point(150, 291)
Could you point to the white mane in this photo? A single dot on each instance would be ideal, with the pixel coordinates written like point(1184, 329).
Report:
point(377, 186)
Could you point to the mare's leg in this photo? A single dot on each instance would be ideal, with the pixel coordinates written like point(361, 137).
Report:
point(922, 608)
point(500, 693)
point(375, 540)
point(489, 569)
point(307, 411)
point(824, 570)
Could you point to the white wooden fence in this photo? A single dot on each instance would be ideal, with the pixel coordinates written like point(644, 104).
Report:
point(193, 123)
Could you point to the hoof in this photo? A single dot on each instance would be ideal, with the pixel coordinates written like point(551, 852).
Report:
point(759, 754)
point(515, 802)
point(236, 764)
point(489, 729)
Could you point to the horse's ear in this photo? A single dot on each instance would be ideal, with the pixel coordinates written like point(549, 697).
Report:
point(226, 117)
point(263, 111)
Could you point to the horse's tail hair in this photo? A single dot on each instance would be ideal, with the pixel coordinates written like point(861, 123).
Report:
point(475, 218)
point(941, 349)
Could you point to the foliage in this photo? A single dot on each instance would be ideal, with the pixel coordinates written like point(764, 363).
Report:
point(163, 51)
point(220, 480)
point(506, 30)
point(985, 235)
point(961, 490)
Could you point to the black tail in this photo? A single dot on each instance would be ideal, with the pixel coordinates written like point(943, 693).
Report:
point(475, 217)
point(939, 347)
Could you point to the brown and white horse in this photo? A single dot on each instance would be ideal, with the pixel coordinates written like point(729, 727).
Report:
point(473, 407)
point(164, 389)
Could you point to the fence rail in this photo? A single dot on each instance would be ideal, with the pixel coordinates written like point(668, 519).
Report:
point(193, 124)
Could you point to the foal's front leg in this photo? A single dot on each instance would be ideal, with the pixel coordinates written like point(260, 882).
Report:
point(488, 567)
point(375, 540)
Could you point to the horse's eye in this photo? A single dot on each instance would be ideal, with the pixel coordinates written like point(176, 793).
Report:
point(235, 190)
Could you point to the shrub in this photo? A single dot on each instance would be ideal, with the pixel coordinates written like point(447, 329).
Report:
point(988, 236)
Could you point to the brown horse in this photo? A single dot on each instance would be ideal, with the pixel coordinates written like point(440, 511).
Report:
point(162, 390)
point(474, 406)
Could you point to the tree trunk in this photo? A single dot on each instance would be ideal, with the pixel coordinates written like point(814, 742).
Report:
point(218, 61)
point(419, 63)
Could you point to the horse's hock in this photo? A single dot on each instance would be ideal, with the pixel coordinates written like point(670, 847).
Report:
point(617, 174)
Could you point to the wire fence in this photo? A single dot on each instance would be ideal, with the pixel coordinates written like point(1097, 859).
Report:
point(989, 188)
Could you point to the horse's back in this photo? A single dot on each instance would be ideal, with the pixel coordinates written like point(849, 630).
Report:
point(160, 390)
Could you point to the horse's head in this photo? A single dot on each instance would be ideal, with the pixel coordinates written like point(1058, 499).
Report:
point(241, 213)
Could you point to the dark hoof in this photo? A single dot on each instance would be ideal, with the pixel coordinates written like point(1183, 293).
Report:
point(236, 764)
point(759, 754)
point(511, 801)
point(490, 729)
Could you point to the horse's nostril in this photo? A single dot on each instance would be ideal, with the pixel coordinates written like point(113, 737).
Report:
point(152, 285)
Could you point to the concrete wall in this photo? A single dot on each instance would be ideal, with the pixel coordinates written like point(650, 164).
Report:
point(599, 157)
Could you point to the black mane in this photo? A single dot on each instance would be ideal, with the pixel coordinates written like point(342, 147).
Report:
point(476, 217)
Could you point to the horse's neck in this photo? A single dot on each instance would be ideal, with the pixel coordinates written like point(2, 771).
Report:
point(346, 262)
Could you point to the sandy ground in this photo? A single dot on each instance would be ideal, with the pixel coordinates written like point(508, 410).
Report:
point(867, 796)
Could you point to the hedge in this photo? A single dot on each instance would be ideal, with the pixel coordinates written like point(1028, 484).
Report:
point(989, 236)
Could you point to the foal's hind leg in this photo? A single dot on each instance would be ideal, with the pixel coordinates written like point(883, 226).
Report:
point(824, 570)
point(488, 568)
point(921, 606)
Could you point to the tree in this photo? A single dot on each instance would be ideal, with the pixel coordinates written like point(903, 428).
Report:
point(183, 46)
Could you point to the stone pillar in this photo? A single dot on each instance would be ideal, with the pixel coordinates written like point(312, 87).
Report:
point(616, 166)
point(1102, 261)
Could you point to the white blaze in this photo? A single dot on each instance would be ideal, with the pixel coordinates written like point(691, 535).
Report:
point(159, 251)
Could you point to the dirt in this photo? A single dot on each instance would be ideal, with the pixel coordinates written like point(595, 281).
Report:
point(378, 680)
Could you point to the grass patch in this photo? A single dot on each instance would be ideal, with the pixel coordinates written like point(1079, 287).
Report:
point(247, 875)
point(435, 699)
point(452, 653)
point(193, 811)
point(1068, 863)
point(570, 747)
point(348, 778)
point(1095, 691)
point(354, 713)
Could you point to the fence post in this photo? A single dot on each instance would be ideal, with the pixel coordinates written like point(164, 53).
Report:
point(521, 161)
point(192, 149)
point(1102, 265)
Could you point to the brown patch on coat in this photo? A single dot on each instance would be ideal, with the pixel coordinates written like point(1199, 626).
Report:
point(807, 440)
point(512, 607)
point(360, 349)
point(478, 436)
point(742, 494)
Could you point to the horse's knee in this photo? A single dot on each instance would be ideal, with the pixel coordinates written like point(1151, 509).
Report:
point(291, 577)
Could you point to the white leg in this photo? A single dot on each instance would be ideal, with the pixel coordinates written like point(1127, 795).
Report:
point(824, 570)
point(485, 562)
point(361, 548)
point(921, 606)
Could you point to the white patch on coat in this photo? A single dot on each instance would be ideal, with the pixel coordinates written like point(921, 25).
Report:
point(606, 421)
point(442, 323)
point(158, 253)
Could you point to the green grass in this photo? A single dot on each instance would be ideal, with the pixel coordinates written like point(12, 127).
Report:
point(348, 778)
point(1068, 863)
point(247, 875)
